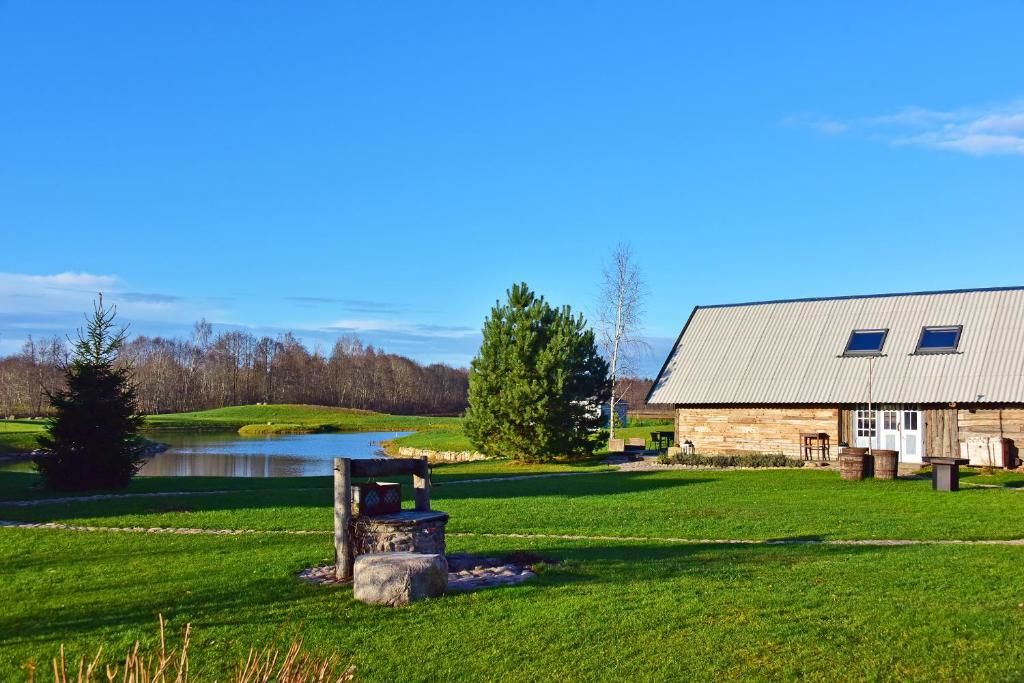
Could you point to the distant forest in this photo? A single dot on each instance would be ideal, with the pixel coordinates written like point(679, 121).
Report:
point(235, 368)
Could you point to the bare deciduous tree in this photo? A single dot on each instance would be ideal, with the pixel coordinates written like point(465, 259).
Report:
point(234, 367)
point(620, 322)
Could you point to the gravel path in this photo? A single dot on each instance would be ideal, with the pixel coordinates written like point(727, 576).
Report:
point(563, 537)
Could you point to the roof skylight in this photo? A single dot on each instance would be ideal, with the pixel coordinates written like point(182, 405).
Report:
point(865, 343)
point(939, 339)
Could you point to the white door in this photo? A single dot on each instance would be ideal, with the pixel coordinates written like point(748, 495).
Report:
point(865, 429)
point(912, 436)
point(889, 438)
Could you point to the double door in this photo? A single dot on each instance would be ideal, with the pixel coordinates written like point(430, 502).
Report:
point(892, 429)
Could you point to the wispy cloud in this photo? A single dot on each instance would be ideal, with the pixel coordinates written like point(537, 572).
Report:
point(400, 327)
point(350, 305)
point(820, 124)
point(63, 297)
point(23, 284)
point(54, 304)
point(150, 298)
point(978, 131)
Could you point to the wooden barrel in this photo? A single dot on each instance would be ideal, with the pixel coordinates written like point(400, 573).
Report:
point(851, 465)
point(886, 464)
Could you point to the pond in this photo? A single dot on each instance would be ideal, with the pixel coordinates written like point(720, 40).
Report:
point(227, 454)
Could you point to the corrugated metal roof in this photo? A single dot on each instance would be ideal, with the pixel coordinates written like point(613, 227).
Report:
point(791, 351)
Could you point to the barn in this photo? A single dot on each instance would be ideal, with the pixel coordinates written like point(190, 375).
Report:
point(925, 373)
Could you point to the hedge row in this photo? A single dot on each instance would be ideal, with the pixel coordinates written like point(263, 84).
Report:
point(744, 460)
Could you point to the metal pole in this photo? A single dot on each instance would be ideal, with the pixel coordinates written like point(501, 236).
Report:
point(871, 411)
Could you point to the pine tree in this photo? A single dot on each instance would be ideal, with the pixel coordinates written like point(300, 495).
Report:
point(93, 440)
point(535, 383)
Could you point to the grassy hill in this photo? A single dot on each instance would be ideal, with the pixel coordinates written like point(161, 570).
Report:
point(320, 418)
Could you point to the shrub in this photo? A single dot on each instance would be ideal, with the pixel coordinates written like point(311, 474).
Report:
point(268, 429)
point(742, 460)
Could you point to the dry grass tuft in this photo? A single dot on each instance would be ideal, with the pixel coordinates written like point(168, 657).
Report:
point(171, 666)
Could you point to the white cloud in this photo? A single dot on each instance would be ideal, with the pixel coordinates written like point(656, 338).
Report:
point(978, 131)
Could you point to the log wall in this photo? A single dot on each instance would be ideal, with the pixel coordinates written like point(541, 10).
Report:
point(728, 431)
point(1005, 422)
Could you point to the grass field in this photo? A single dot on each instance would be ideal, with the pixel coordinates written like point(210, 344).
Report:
point(452, 438)
point(19, 436)
point(612, 609)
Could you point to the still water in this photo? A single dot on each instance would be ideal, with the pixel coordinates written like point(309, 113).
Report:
point(226, 454)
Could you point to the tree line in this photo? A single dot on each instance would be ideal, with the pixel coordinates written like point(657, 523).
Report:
point(232, 367)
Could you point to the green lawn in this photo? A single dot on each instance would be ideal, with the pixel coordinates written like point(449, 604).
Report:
point(643, 610)
point(670, 504)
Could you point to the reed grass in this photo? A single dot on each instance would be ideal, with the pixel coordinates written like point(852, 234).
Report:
point(172, 665)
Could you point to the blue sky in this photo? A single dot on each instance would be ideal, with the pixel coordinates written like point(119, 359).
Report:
point(390, 171)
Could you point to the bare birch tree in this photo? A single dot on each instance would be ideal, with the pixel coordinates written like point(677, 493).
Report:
point(620, 321)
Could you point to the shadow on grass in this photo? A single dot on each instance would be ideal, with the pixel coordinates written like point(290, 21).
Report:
point(283, 497)
point(23, 485)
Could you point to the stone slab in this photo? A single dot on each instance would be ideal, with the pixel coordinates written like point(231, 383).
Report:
point(396, 579)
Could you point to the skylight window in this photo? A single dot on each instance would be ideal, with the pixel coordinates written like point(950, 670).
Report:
point(865, 343)
point(939, 339)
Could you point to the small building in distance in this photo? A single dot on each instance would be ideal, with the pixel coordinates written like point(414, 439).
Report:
point(926, 373)
point(621, 413)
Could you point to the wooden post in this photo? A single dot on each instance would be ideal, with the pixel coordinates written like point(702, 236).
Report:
point(342, 517)
point(421, 485)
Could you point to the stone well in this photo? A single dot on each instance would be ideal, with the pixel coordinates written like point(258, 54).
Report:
point(408, 531)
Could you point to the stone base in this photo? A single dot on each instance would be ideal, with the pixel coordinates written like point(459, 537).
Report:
point(465, 573)
point(407, 531)
point(395, 579)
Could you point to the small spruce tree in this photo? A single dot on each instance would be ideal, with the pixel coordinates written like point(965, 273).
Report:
point(93, 440)
point(535, 384)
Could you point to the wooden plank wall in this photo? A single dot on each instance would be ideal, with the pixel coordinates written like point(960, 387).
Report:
point(727, 431)
point(941, 434)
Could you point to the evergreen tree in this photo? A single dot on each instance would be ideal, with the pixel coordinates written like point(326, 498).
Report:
point(93, 441)
point(535, 384)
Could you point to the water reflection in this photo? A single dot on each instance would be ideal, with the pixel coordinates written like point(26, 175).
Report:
point(214, 454)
